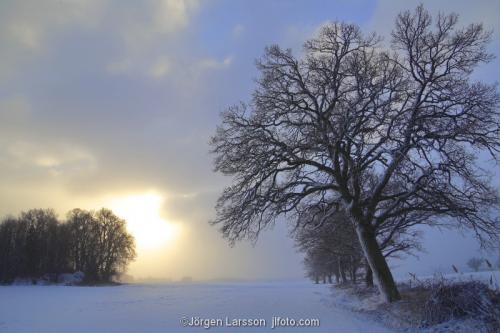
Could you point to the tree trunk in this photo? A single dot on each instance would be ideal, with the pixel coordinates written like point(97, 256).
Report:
point(380, 270)
point(368, 276)
point(342, 273)
point(330, 278)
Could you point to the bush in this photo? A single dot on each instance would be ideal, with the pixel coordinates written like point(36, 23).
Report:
point(471, 299)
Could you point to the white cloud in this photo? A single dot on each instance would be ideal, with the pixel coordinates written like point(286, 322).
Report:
point(26, 27)
point(160, 68)
point(173, 15)
point(153, 23)
point(143, 27)
point(27, 23)
point(211, 63)
point(56, 158)
point(25, 35)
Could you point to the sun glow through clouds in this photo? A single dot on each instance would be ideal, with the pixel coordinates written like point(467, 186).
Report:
point(142, 213)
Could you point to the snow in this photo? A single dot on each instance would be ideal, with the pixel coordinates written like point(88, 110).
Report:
point(396, 315)
point(160, 307)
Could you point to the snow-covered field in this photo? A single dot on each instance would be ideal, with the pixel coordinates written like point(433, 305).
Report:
point(161, 308)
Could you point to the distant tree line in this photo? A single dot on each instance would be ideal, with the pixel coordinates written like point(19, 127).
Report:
point(331, 247)
point(36, 244)
point(476, 264)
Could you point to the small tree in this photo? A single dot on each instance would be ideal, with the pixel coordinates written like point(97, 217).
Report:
point(388, 135)
point(475, 263)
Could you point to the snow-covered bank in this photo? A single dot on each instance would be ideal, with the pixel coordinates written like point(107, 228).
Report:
point(458, 303)
point(161, 308)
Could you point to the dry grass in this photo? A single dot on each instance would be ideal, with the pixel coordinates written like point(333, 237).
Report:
point(436, 305)
point(459, 300)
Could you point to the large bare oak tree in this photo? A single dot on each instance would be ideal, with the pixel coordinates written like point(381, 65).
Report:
point(386, 133)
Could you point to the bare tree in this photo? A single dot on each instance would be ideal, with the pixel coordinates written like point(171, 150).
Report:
point(40, 239)
point(116, 246)
point(384, 134)
point(36, 245)
point(101, 245)
point(475, 263)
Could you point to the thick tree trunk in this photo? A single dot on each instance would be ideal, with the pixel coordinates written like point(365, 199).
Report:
point(381, 272)
point(330, 279)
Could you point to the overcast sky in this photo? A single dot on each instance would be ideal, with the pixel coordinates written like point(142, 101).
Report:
point(103, 100)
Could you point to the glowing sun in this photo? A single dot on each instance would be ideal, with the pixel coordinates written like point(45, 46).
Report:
point(142, 213)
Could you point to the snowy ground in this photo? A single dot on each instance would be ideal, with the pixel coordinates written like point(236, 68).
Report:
point(160, 308)
point(401, 315)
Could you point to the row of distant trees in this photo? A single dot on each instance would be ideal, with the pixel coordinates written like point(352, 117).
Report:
point(36, 244)
point(476, 263)
point(331, 252)
point(332, 249)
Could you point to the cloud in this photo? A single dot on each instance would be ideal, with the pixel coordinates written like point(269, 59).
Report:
point(25, 35)
point(29, 22)
point(155, 20)
point(172, 15)
point(28, 28)
point(160, 68)
point(211, 63)
point(56, 158)
point(106, 98)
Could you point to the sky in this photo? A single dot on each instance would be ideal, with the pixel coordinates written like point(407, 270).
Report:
point(112, 103)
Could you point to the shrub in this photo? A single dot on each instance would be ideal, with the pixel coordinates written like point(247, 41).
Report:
point(471, 299)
